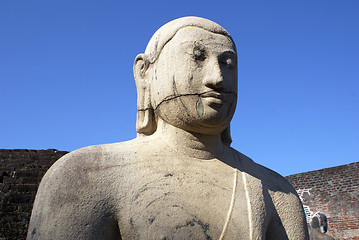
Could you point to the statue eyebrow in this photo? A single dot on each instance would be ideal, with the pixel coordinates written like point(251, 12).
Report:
point(192, 43)
point(189, 46)
point(229, 53)
point(201, 43)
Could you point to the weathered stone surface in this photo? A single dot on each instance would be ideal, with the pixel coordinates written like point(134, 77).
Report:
point(179, 179)
point(342, 224)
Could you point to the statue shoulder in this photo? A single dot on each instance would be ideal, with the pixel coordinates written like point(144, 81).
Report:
point(95, 157)
point(77, 191)
point(269, 178)
point(285, 213)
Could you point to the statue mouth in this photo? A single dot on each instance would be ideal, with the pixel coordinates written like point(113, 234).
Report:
point(213, 98)
point(212, 94)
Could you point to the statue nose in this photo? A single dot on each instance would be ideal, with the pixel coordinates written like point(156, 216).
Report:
point(214, 79)
point(215, 83)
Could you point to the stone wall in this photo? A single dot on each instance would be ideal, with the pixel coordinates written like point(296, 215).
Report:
point(335, 192)
point(21, 171)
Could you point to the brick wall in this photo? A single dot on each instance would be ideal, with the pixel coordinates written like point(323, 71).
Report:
point(335, 192)
point(20, 174)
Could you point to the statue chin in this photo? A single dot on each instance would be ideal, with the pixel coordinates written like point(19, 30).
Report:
point(191, 114)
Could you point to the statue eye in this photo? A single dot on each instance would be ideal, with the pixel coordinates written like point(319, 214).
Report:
point(228, 62)
point(228, 59)
point(199, 53)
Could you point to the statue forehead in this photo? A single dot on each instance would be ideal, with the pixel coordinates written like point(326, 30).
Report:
point(194, 35)
point(165, 33)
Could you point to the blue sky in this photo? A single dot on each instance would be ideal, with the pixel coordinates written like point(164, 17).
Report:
point(66, 75)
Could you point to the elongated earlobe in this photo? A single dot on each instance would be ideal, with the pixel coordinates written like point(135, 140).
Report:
point(145, 123)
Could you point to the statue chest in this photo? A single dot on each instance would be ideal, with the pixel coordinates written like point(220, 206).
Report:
point(201, 200)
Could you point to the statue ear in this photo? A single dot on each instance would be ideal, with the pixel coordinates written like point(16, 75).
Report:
point(145, 117)
point(140, 66)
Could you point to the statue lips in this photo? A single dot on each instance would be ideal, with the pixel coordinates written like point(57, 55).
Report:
point(213, 98)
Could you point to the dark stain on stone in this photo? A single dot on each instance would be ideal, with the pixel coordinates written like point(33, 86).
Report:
point(193, 222)
point(199, 52)
point(177, 93)
point(190, 80)
point(33, 232)
point(174, 87)
point(131, 223)
point(151, 220)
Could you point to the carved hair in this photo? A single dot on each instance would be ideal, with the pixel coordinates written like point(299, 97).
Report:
point(146, 124)
point(165, 33)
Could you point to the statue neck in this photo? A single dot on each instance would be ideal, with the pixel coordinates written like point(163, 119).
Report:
point(190, 144)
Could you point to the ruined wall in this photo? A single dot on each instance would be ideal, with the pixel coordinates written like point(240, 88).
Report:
point(335, 192)
point(21, 171)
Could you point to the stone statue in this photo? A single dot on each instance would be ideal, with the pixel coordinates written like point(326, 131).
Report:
point(179, 178)
point(318, 227)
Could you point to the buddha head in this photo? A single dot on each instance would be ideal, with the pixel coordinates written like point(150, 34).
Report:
point(319, 221)
point(187, 77)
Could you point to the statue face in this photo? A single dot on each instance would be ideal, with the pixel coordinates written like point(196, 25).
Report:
point(194, 81)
